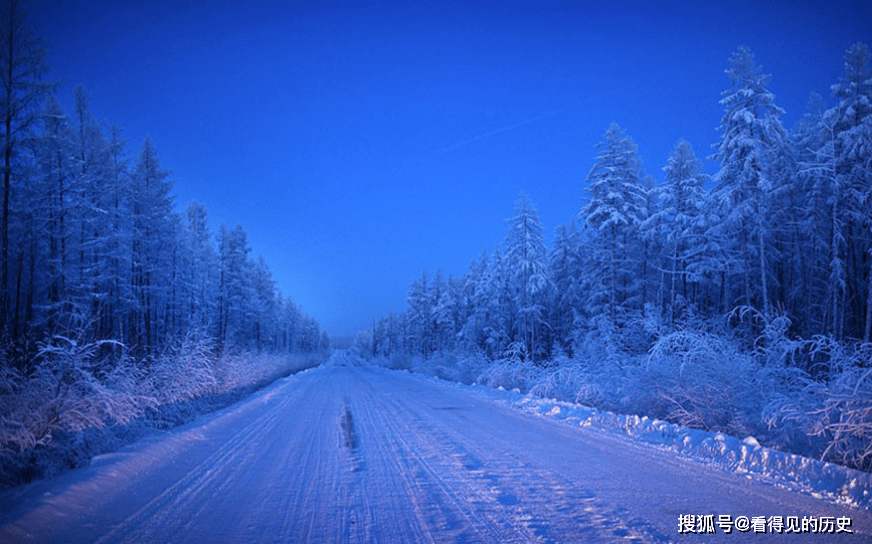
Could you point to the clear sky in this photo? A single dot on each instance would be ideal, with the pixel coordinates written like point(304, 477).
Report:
point(361, 143)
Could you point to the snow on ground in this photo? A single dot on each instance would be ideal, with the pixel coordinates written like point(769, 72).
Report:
point(834, 482)
point(344, 453)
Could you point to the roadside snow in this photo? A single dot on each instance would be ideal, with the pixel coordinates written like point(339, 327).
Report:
point(819, 479)
point(839, 484)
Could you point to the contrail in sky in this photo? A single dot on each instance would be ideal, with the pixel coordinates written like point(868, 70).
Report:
point(496, 131)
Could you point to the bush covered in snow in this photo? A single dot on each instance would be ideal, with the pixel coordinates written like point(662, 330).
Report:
point(76, 402)
point(510, 374)
point(700, 381)
point(834, 413)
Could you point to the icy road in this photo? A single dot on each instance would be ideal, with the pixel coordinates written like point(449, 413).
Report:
point(355, 454)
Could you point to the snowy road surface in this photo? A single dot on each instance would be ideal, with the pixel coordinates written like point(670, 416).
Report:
point(353, 454)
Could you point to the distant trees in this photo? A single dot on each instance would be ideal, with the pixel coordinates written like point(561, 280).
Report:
point(785, 229)
point(745, 309)
point(93, 247)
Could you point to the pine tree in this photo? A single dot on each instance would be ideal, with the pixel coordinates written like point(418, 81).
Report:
point(614, 213)
point(201, 274)
point(526, 260)
point(811, 140)
point(677, 211)
point(420, 312)
point(444, 314)
point(565, 266)
point(236, 290)
point(53, 157)
point(151, 224)
point(852, 145)
point(751, 136)
point(21, 82)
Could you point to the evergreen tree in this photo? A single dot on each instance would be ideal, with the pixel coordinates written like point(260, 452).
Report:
point(526, 261)
point(565, 268)
point(751, 136)
point(616, 208)
point(852, 179)
point(677, 213)
point(22, 86)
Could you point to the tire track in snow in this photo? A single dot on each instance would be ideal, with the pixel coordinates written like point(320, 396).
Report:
point(213, 476)
point(442, 511)
point(530, 498)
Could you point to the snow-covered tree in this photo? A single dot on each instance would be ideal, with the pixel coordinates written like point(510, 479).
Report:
point(566, 271)
point(751, 138)
point(526, 260)
point(616, 208)
point(677, 212)
point(850, 194)
point(22, 70)
point(151, 206)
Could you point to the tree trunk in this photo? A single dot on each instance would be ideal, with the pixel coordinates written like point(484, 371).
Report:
point(763, 279)
point(7, 168)
point(867, 333)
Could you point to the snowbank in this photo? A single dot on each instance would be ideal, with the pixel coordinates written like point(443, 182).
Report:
point(820, 479)
point(744, 456)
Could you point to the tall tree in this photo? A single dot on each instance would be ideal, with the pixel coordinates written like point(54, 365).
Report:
point(565, 268)
point(526, 257)
point(677, 211)
point(616, 208)
point(21, 73)
point(751, 137)
point(852, 147)
point(151, 218)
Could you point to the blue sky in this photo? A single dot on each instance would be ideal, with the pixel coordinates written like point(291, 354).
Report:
point(360, 144)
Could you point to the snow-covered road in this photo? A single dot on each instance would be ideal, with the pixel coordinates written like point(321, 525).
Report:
point(356, 454)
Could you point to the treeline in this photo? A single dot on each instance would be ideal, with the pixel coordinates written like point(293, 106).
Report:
point(739, 303)
point(784, 230)
point(93, 248)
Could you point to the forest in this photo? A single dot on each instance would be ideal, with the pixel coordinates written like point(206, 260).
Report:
point(739, 301)
point(115, 307)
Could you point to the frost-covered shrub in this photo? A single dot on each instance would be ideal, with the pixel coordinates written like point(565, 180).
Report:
point(399, 361)
point(640, 331)
point(601, 342)
point(185, 372)
point(461, 368)
point(571, 382)
point(837, 411)
point(444, 366)
point(701, 380)
point(510, 374)
point(244, 371)
point(470, 367)
point(73, 398)
point(421, 364)
point(71, 391)
point(792, 395)
point(14, 434)
point(604, 372)
point(76, 403)
point(846, 416)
